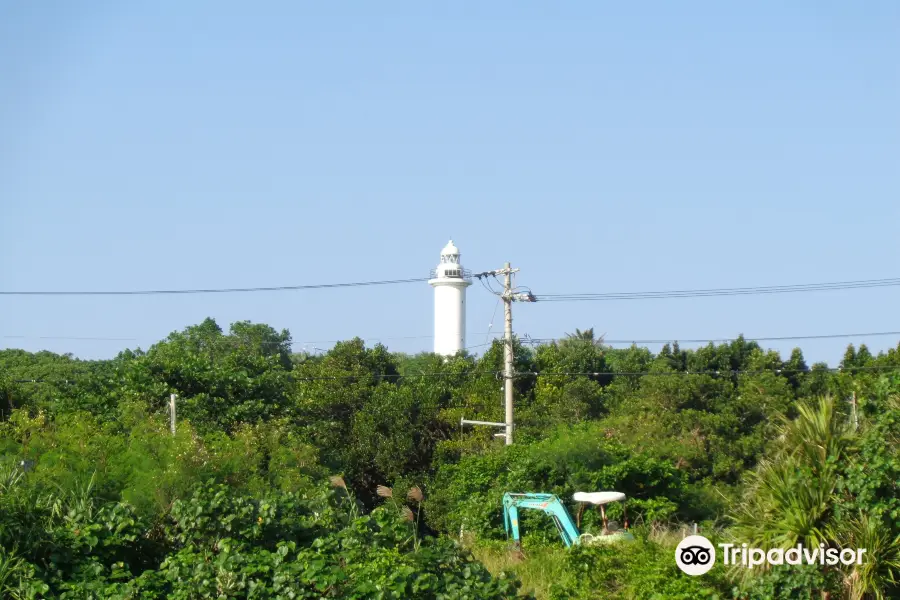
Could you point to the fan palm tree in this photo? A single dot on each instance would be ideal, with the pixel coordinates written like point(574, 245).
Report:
point(790, 496)
point(878, 576)
point(819, 437)
point(582, 337)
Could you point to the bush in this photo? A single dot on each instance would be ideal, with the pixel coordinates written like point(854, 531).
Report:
point(641, 569)
point(468, 495)
point(221, 543)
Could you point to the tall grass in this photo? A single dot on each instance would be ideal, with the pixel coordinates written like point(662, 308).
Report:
point(539, 567)
point(538, 570)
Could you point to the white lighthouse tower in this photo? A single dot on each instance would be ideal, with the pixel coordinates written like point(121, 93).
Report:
point(450, 281)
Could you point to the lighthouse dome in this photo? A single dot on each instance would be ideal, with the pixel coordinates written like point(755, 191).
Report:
point(450, 258)
point(450, 266)
point(450, 249)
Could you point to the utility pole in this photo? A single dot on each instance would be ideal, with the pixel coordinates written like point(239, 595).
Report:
point(508, 296)
point(855, 412)
point(508, 355)
point(172, 413)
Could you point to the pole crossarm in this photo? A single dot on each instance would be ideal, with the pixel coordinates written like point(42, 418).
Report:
point(488, 423)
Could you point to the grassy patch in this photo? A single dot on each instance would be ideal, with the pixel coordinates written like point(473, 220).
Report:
point(644, 568)
point(538, 567)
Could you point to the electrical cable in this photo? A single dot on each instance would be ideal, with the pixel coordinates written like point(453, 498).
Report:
point(486, 284)
point(499, 374)
point(297, 343)
point(217, 290)
point(491, 324)
point(69, 337)
point(725, 340)
point(742, 291)
point(525, 338)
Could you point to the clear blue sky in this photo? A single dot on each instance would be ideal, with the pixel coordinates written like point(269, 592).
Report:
point(598, 146)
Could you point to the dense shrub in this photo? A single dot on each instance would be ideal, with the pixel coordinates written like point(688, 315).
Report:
point(468, 495)
point(640, 569)
point(223, 544)
point(98, 499)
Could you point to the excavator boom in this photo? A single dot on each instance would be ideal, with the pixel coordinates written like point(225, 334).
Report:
point(548, 503)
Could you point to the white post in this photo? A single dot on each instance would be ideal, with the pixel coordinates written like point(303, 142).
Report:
point(172, 413)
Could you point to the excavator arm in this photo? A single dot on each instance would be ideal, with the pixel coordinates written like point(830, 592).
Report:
point(547, 503)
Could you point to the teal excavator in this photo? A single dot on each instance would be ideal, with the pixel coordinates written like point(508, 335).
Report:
point(568, 529)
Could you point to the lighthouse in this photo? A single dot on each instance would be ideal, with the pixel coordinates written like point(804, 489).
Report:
point(449, 281)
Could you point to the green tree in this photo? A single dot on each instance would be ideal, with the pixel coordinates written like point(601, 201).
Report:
point(221, 380)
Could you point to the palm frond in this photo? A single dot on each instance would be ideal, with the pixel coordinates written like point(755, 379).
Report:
point(880, 568)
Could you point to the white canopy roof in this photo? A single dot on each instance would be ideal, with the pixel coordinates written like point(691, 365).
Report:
point(599, 497)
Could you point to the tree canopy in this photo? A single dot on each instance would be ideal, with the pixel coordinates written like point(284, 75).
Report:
point(273, 485)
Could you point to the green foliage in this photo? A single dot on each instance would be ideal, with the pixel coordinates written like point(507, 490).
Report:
point(215, 512)
point(331, 391)
point(879, 575)
point(136, 459)
point(223, 543)
point(53, 382)
point(468, 495)
point(872, 482)
point(641, 569)
point(794, 582)
point(560, 402)
point(816, 487)
point(790, 497)
point(110, 504)
point(221, 380)
point(18, 579)
point(407, 416)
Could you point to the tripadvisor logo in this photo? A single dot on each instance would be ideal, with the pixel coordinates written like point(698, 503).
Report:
point(696, 555)
point(798, 555)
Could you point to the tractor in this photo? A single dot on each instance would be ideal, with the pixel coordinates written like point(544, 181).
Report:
point(567, 527)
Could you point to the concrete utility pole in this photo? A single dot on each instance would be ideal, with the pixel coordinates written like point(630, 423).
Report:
point(172, 413)
point(508, 297)
point(508, 357)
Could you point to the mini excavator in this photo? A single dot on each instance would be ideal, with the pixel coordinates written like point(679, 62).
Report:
point(567, 527)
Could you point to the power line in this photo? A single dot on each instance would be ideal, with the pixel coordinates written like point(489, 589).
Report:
point(525, 339)
point(234, 339)
point(491, 325)
point(724, 340)
point(711, 372)
point(69, 337)
point(742, 291)
point(524, 374)
point(217, 290)
point(715, 372)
